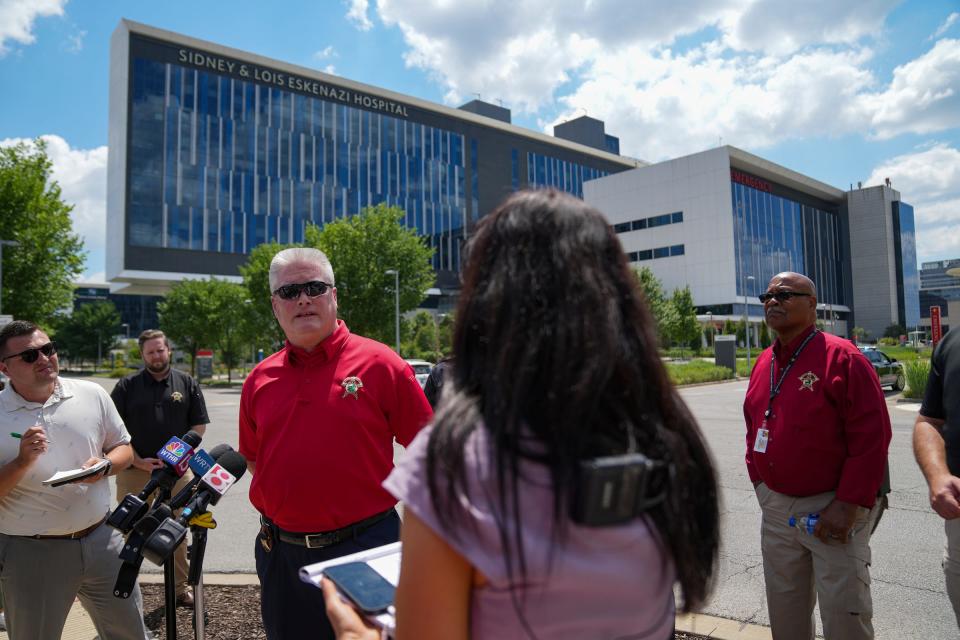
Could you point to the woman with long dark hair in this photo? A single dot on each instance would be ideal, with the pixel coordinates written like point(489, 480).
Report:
point(556, 374)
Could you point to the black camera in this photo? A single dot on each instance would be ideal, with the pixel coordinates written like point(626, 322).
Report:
point(613, 490)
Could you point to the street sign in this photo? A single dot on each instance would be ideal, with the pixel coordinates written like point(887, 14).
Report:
point(935, 330)
point(204, 363)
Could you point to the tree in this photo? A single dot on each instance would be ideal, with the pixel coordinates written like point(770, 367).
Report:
point(683, 327)
point(859, 334)
point(209, 313)
point(362, 248)
point(730, 328)
point(38, 273)
point(656, 300)
point(426, 338)
point(765, 340)
point(895, 330)
point(88, 332)
point(447, 323)
point(256, 281)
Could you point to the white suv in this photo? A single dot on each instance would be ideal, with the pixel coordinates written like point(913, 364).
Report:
point(421, 368)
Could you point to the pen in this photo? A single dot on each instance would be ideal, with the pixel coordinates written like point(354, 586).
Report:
point(20, 435)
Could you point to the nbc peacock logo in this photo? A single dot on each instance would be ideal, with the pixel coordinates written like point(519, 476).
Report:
point(176, 448)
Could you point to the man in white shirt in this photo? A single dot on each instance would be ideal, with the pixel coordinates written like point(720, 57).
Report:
point(54, 545)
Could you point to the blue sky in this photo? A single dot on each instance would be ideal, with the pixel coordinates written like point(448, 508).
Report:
point(848, 91)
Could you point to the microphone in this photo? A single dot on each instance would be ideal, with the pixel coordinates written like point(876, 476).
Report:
point(200, 464)
point(176, 453)
point(213, 485)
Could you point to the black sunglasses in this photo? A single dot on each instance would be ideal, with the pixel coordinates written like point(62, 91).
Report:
point(30, 355)
point(780, 296)
point(313, 288)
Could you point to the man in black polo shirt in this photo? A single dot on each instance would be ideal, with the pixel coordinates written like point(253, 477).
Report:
point(936, 444)
point(156, 404)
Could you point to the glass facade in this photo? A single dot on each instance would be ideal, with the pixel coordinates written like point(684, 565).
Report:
point(908, 278)
point(221, 164)
point(774, 234)
point(547, 171)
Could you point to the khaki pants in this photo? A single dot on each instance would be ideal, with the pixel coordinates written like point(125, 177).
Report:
point(799, 570)
point(132, 480)
point(951, 564)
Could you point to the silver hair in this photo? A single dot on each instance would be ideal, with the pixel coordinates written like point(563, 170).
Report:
point(298, 255)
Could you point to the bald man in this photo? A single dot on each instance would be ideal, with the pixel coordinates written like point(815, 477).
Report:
point(817, 438)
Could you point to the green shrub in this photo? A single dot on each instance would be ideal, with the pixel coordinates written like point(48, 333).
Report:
point(697, 371)
point(119, 372)
point(888, 342)
point(917, 373)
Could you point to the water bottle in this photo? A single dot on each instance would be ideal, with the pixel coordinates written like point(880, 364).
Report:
point(806, 522)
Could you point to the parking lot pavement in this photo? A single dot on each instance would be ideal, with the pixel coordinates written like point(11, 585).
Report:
point(909, 598)
point(908, 590)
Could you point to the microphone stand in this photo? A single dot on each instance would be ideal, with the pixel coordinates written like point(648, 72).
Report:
point(198, 549)
point(169, 578)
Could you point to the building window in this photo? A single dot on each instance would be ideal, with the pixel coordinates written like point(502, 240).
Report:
point(648, 223)
point(661, 252)
point(676, 250)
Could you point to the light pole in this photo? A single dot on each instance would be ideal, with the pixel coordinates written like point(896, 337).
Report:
point(396, 297)
point(4, 243)
point(746, 321)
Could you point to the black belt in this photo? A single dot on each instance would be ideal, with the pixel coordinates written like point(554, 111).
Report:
point(326, 538)
point(76, 535)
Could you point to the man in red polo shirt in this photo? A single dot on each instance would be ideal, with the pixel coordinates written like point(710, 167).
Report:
point(317, 424)
point(817, 438)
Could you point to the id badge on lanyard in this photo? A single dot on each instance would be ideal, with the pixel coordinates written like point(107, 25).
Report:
point(763, 433)
point(763, 436)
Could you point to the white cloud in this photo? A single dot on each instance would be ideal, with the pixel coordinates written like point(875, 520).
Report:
point(82, 176)
point(924, 95)
point(326, 53)
point(943, 28)
point(357, 14)
point(74, 43)
point(17, 18)
point(783, 26)
point(930, 181)
point(672, 78)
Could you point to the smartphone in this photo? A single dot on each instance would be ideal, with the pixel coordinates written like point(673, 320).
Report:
point(365, 588)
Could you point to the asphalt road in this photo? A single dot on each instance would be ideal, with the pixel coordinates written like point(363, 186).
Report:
point(908, 591)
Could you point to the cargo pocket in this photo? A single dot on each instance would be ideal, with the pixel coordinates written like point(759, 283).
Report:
point(858, 598)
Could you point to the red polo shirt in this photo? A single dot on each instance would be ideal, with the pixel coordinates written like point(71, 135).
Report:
point(320, 427)
point(829, 429)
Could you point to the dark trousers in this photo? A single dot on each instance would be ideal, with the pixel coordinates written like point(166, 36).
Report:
point(292, 609)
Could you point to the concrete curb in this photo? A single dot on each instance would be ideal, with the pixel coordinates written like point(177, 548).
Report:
point(721, 628)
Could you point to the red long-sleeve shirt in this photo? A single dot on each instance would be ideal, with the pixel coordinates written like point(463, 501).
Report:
point(829, 429)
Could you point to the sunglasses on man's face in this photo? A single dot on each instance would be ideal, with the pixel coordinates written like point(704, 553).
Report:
point(30, 355)
point(780, 296)
point(313, 288)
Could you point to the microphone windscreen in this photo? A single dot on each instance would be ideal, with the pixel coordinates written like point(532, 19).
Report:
point(192, 438)
point(234, 463)
point(219, 450)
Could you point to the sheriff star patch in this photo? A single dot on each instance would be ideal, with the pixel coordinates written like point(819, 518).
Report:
point(807, 380)
point(351, 386)
point(176, 396)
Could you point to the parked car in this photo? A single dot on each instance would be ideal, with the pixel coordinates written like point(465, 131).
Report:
point(889, 371)
point(421, 368)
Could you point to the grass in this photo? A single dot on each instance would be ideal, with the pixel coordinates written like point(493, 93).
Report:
point(917, 372)
point(697, 371)
point(907, 354)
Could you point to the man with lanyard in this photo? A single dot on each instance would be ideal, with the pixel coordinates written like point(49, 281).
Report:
point(817, 438)
point(54, 544)
point(936, 444)
point(157, 404)
point(317, 424)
